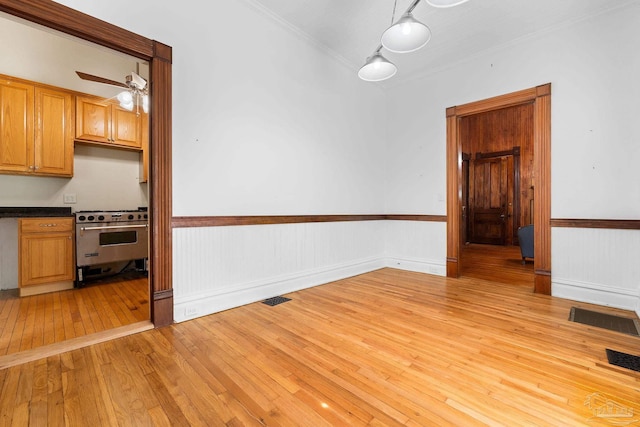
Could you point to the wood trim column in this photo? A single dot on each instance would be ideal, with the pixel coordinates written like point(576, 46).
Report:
point(161, 268)
point(454, 193)
point(542, 189)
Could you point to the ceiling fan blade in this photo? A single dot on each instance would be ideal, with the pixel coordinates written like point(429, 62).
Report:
point(90, 77)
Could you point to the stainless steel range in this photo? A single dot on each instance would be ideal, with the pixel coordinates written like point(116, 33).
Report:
point(108, 241)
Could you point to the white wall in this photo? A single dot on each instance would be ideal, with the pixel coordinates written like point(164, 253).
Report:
point(595, 142)
point(103, 178)
point(263, 121)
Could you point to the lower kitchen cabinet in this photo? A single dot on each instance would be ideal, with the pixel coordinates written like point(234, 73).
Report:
point(46, 255)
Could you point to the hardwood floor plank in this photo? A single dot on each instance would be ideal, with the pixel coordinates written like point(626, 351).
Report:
point(381, 349)
point(37, 402)
point(128, 402)
point(190, 396)
point(8, 396)
point(55, 397)
point(41, 320)
point(169, 408)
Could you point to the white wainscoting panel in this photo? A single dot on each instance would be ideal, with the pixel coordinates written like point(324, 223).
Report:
point(599, 266)
point(217, 268)
point(416, 246)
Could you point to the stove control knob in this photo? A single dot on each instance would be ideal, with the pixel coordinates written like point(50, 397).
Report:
point(145, 216)
point(82, 218)
point(91, 218)
point(101, 218)
point(130, 216)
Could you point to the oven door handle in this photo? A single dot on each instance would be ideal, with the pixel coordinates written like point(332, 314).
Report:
point(111, 227)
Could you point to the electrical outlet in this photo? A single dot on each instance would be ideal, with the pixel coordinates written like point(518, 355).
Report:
point(190, 311)
point(69, 198)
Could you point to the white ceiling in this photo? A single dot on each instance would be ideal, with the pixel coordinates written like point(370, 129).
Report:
point(351, 29)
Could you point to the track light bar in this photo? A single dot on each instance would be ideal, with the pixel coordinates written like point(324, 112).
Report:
point(406, 35)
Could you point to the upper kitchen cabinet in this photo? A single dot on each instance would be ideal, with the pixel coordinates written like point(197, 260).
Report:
point(36, 129)
point(102, 121)
point(54, 132)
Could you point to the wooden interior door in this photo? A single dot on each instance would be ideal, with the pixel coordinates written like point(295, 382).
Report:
point(489, 200)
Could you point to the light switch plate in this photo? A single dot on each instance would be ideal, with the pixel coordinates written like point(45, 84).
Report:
point(69, 198)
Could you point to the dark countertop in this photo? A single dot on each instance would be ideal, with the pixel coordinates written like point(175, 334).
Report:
point(26, 212)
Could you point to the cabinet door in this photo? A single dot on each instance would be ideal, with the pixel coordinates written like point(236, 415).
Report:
point(46, 258)
point(54, 132)
point(93, 119)
point(125, 127)
point(16, 126)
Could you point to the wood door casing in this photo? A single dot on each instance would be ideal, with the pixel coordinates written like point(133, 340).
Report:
point(490, 200)
point(540, 98)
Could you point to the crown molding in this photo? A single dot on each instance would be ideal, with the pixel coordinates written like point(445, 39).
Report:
point(299, 33)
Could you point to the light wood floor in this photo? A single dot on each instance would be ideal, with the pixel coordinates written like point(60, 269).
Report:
point(387, 348)
point(496, 263)
point(35, 321)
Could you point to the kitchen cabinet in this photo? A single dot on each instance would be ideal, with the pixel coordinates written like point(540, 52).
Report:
point(104, 122)
point(45, 255)
point(36, 129)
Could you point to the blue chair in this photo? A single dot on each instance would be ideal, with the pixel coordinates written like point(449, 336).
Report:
point(525, 237)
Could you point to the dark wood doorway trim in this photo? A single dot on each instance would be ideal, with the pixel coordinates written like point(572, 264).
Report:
point(540, 96)
point(59, 17)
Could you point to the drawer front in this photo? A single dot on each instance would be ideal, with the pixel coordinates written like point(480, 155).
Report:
point(46, 225)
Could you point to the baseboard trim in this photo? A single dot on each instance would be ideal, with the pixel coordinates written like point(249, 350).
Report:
point(596, 294)
point(206, 303)
point(417, 265)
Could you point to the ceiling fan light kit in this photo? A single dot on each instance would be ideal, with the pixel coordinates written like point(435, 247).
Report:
point(404, 36)
point(136, 89)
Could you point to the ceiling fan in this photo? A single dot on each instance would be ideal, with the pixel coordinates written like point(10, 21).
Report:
point(136, 89)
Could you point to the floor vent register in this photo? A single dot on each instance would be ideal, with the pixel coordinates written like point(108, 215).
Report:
point(275, 301)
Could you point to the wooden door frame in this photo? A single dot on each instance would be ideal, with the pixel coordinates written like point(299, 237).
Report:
point(70, 21)
point(540, 97)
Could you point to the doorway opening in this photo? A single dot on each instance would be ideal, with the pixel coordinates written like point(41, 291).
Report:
point(72, 22)
point(497, 196)
point(498, 179)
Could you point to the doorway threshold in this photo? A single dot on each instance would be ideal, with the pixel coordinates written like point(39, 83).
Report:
point(73, 344)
